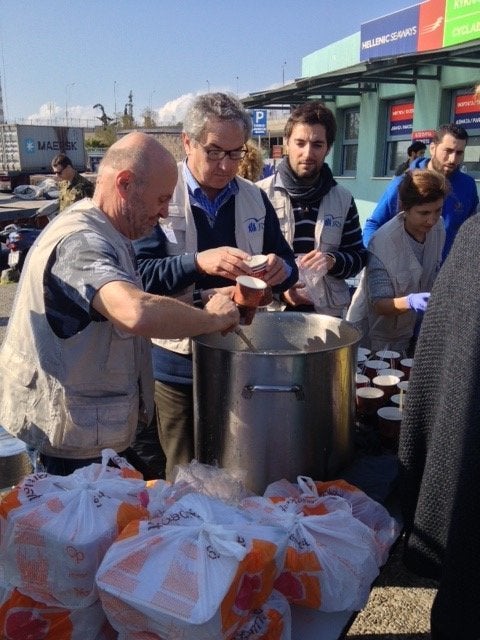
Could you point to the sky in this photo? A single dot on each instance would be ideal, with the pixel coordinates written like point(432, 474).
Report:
point(61, 57)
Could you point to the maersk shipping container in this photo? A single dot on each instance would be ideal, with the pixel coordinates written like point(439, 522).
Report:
point(27, 149)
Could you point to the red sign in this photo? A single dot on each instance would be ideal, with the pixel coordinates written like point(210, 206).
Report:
point(401, 118)
point(431, 22)
point(466, 104)
point(467, 111)
point(402, 111)
point(425, 135)
point(277, 151)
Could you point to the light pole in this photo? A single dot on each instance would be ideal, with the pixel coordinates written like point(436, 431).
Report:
point(67, 87)
point(283, 72)
point(208, 86)
point(115, 99)
point(236, 77)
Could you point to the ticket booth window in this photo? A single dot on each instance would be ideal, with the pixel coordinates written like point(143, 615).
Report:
point(399, 134)
point(350, 142)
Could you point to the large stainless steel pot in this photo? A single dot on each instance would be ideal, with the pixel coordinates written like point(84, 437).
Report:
point(285, 410)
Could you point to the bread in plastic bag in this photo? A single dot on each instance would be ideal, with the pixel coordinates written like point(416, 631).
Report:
point(23, 618)
point(374, 515)
point(330, 562)
point(195, 573)
point(55, 530)
point(272, 621)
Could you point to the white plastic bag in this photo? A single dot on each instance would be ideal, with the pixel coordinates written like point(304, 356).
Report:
point(272, 621)
point(22, 617)
point(313, 281)
point(194, 573)
point(330, 563)
point(216, 482)
point(331, 557)
point(374, 515)
point(56, 530)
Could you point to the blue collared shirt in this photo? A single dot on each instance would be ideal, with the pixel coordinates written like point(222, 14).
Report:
point(199, 199)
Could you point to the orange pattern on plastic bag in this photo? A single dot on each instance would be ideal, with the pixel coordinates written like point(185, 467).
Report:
point(252, 584)
point(300, 588)
point(22, 617)
point(125, 472)
point(10, 501)
point(131, 530)
point(322, 487)
point(128, 512)
point(275, 625)
point(296, 583)
point(317, 509)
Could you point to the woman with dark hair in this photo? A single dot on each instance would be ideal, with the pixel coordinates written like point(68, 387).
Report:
point(404, 258)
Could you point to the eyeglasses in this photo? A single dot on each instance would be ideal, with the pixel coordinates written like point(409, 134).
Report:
point(219, 154)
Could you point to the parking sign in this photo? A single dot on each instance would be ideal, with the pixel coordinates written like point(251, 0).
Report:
point(259, 117)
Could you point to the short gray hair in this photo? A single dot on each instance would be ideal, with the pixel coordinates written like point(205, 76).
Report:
point(215, 106)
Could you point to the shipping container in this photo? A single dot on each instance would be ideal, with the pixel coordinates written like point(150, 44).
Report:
point(28, 149)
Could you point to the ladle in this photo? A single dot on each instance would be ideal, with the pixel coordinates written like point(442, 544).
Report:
point(243, 337)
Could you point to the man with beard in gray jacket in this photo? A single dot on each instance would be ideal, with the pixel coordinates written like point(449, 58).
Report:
point(318, 217)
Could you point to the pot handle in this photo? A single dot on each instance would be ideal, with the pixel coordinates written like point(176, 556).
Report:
point(248, 390)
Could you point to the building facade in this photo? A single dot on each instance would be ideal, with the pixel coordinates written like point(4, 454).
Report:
point(394, 81)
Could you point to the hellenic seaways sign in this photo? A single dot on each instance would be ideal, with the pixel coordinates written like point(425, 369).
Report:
point(423, 27)
point(391, 35)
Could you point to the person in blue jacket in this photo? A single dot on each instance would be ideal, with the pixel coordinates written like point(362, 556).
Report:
point(446, 156)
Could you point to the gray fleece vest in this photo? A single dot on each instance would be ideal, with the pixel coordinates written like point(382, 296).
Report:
point(72, 397)
point(391, 245)
point(249, 227)
point(333, 210)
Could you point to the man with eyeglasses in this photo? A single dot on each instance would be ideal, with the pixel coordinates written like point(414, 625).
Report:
point(72, 186)
point(216, 221)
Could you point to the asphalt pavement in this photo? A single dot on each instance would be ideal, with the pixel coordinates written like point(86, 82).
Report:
point(7, 293)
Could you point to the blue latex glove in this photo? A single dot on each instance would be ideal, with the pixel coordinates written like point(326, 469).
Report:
point(418, 301)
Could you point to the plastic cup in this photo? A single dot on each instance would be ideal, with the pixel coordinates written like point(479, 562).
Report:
point(393, 372)
point(392, 357)
point(372, 367)
point(247, 295)
point(368, 400)
point(406, 365)
point(258, 264)
point(398, 399)
point(361, 380)
point(403, 386)
point(388, 384)
point(363, 351)
point(389, 420)
point(267, 297)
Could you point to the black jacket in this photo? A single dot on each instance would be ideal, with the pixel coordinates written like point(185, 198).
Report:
point(440, 441)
